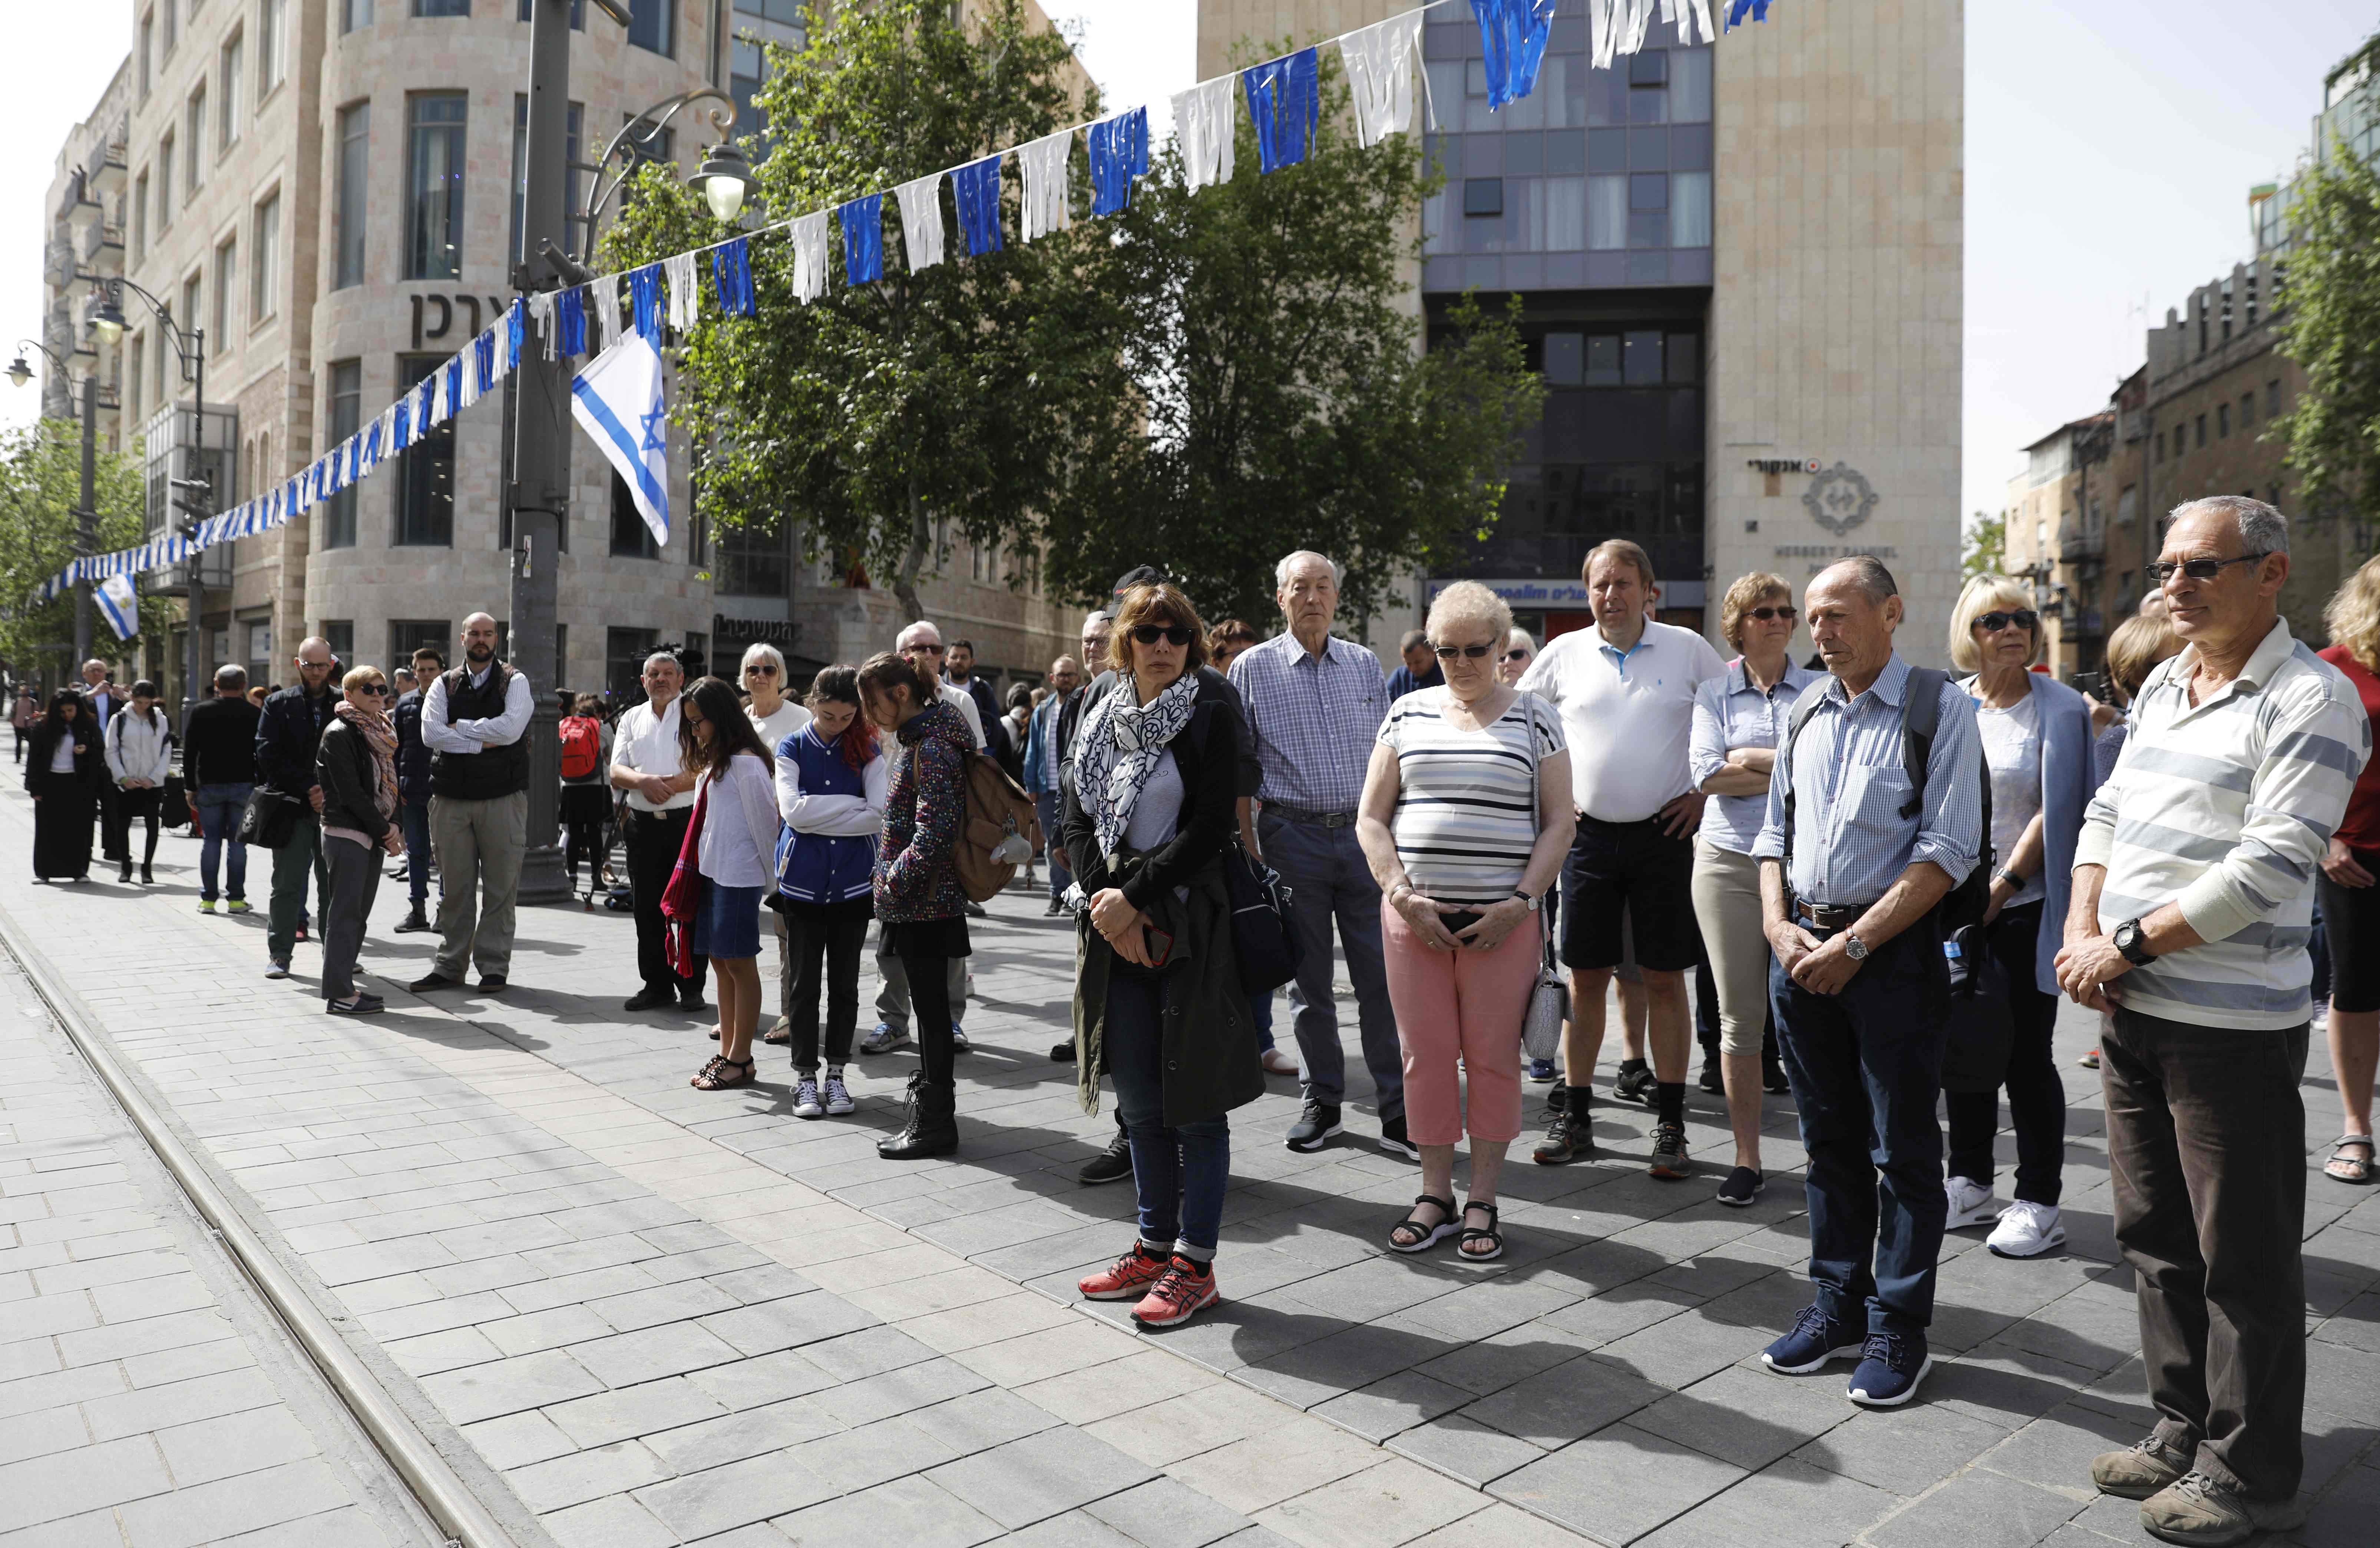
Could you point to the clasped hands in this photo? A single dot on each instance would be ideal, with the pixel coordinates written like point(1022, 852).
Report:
point(1123, 927)
point(1423, 915)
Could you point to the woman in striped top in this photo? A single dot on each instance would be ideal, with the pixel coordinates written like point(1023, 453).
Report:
point(1464, 861)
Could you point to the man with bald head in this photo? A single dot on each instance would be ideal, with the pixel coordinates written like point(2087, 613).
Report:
point(474, 722)
point(1042, 764)
point(286, 731)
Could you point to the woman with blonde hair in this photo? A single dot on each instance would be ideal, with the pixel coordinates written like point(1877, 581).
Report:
point(2350, 900)
point(1740, 720)
point(356, 765)
point(2036, 737)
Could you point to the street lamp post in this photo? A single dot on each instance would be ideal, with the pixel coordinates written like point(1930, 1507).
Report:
point(86, 513)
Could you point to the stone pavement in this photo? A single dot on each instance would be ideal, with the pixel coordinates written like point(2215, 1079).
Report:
point(146, 1394)
point(517, 1199)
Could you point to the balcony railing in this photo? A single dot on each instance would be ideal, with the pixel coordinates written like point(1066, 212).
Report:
point(103, 249)
point(2080, 540)
point(105, 175)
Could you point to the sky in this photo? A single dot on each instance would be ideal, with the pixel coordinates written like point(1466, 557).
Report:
point(2109, 150)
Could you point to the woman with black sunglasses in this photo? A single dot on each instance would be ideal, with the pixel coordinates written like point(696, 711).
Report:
point(356, 765)
point(2037, 736)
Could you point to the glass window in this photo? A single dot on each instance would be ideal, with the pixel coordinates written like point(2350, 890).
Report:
point(1483, 196)
point(442, 7)
point(1690, 86)
point(2202, 430)
point(1565, 359)
point(652, 24)
point(631, 538)
point(1565, 202)
point(1560, 83)
point(173, 24)
point(1525, 155)
point(2247, 409)
point(346, 410)
point(409, 635)
point(1474, 78)
point(1607, 149)
point(1641, 357)
point(434, 185)
point(148, 45)
point(2160, 445)
point(140, 217)
point(2272, 400)
point(577, 12)
point(624, 651)
point(1648, 94)
point(1566, 154)
point(1648, 149)
point(165, 183)
point(1684, 359)
point(1690, 209)
point(425, 489)
point(577, 192)
point(1446, 89)
point(353, 14)
point(1606, 214)
point(230, 72)
point(264, 260)
point(226, 292)
point(2222, 421)
point(1648, 210)
point(354, 193)
point(1603, 359)
point(1606, 97)
point(753, 563)
point(194, 136)
point(337, 633)
point(272, 43)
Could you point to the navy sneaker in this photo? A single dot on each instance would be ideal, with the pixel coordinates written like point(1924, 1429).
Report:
point(1891, 1364)
point(1541, 1072)
point(1815, 1339)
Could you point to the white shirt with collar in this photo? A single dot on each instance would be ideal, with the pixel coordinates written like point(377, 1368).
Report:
point(474, 736)
point(648, 743)
point(964, 701)
point(1628, 717)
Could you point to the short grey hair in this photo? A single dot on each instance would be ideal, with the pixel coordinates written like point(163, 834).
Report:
point(232, 677)
point(669, 656)
point(1867, 572)
point(1280, 571)
point(1467, 602)
point(2262, 528)
point(1097, 616)
point(763, 652)
point(926, 623)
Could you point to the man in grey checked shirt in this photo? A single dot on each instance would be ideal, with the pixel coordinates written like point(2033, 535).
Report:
point(1859, 986)
point(1314, 706)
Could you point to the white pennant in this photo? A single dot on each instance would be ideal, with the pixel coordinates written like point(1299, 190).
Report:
point(1043, 162)
point(808, 233)
point(1380, 75)
point(685, 295)
point(470, 357)
point(540, 317)
point(1202, 126)
point(603, 313)
point(921, 221)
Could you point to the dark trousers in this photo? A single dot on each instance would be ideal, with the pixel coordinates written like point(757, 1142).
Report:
point(146, 806)
point(1180, 1174)
point(930, 1011)
point(653, 841)
point(414, 817)
point(1866, 1065)
point(823, 945)
point(2036, 1096)
point(1330, 884)
point(347, 905)
point(111, 820)
point(2207, 1156)
point(294, 865)
point(585, 841)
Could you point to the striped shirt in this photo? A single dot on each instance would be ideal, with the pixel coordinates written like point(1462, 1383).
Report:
point(2224, 808)
point(1311, 719)
point(1849, 784)
point(1464, 825)
point(1730, 712)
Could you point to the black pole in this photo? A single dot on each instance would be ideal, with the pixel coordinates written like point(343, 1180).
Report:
point(540, 494)
point(87, 518)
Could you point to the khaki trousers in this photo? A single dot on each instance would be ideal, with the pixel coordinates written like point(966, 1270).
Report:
point(1726, 906)
point(479, 846)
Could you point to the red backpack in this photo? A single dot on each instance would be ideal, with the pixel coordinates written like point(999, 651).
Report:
point(582, 747)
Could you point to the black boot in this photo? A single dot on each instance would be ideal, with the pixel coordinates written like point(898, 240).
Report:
point(932, 1128)
point(125, 875)
point(147, 880)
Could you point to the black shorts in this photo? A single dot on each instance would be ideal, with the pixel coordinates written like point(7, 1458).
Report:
point(1631, 870)
point(2350, 918)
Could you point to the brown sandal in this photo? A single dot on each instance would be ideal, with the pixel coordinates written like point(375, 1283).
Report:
point(2343, 1167)
point(715, 1076)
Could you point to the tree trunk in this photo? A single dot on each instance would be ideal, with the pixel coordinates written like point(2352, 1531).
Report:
point(904, 579)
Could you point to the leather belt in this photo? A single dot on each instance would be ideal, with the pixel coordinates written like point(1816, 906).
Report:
point(1311, 819)
point(1818, 916)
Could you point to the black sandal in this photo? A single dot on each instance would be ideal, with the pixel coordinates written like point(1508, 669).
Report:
point(715, 1076)
point(1472, 1232)
point(1431, 1235)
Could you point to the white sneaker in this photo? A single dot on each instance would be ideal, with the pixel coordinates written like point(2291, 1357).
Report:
point(806, 1098)
point(1971, 1204)
point(838, 1095)
point(2026, 1230)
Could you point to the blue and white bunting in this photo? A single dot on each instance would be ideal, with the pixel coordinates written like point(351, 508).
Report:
point(1285, 103)
point(862, 221)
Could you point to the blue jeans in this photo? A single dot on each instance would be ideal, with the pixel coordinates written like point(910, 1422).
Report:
point(1866, 1067)
point(1330, 881)
point(1050, 807)
point(1180, 1174)
point(1260, 1012)
point(415, 816)
point(220, 807)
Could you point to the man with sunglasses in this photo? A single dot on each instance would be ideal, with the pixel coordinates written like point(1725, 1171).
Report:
point(2191, 904)
point(474, 721)
point(287, 733)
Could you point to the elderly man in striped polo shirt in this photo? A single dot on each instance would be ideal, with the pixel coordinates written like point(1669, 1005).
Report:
point(2192, 903)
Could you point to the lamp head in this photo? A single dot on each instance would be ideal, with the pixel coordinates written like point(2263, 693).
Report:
point(107, 321)
point(18, 371)
point(725, 178)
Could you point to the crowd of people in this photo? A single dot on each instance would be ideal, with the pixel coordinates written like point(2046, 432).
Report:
point(1882, 877)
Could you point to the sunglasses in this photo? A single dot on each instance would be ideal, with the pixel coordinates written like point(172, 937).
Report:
point(928, 649)
point(1149, 634)
point(1764, 613)
point(1448, 653)
point(2023, 619)
point(2197, 569)
point(1516, 655)
point(760, 669)
point(378, 690)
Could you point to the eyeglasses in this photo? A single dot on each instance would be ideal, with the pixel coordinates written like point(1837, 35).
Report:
point(1763, 613)
point(1448, 653)
point(928, 649)
point(2023, 619)
point(1516, 655)
point(760, 669)
point(2199, 569)
point(1149, 634)
point(315, 665)
point(378, 690)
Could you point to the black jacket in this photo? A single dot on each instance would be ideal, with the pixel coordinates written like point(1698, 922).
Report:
point(89, 765)
point(412, 753)
point(343, 766)
point(286, 737)
point(219, 743)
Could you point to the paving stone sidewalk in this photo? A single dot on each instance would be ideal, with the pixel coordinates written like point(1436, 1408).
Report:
point(1600, 1376)
point(146, 1397)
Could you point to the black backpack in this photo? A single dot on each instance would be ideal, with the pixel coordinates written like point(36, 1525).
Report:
point(1921, 716)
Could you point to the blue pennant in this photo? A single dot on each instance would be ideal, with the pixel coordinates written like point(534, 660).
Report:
point(645, 291)
point(1118, 154)
point(454, 386)
point(1284, 103)
point(516, 325)
point(1512, 38)
point(975, 188)
point(1759, 9)
point(731, 272)
point(570, 320)
point(483, 359)
point(400, 426)
point(863, 239)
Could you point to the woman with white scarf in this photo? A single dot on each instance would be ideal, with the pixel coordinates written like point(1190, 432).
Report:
point(355, 763)
point(1158, 1003)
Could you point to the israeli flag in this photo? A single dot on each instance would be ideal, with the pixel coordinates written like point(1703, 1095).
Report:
point(120, 604)
point(617, 400)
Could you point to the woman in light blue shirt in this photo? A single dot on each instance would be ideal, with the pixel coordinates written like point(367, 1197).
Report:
point(1740, 718)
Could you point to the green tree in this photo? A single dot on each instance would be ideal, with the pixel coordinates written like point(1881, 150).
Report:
point(2331, 316)
point(891, 418)
point(1269, 391)
point(1982, 547)
point(40, 486)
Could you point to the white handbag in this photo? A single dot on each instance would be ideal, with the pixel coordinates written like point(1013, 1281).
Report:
point(1541, 1024)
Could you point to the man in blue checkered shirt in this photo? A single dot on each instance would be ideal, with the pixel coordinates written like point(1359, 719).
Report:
point(1314, 706)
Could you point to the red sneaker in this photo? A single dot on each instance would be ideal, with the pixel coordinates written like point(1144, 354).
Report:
point(1126, 1280)
point(1185, 1290)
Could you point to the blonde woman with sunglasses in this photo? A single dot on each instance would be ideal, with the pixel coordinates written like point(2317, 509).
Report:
point(356, 765)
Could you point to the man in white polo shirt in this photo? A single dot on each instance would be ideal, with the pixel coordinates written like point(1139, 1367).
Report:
point(1626, 693)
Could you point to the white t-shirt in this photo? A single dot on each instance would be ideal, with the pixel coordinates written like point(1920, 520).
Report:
point(1628, 720)
point(740, 824)
point(648, 743)
point(2012, 751)
point(1464, 825)
point(964, 701)
point(775, 728)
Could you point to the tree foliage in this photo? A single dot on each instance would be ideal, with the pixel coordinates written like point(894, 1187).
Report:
point(40, 486)
point(1982, 546)
point(2331, 317)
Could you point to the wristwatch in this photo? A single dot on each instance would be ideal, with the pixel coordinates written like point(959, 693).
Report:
point(2011, 878)
point(2133, 943)
point(1854, 948)
point(1532, 902)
